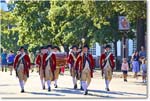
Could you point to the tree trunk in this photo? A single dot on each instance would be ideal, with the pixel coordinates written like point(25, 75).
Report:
point(66, 48)
point(140, 33)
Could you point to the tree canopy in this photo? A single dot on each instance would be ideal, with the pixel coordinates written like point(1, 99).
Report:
point(67, 22)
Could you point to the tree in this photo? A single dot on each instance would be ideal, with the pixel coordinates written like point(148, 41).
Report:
point(9, 36)
point(136, 13)
point(33, 25)
point(70, 23)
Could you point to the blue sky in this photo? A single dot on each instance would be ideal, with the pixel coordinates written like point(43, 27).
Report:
point(3, 6)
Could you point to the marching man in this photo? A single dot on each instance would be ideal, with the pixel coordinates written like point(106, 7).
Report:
point(22, 66)
point(71, 63)
point(40, 64)
point(57, 70)
point(107, 65)
point(49, 66)
point(85, 64)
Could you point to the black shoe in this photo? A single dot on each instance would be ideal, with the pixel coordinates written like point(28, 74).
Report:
point(43, 87)
point(107, 89)
point(2, 69)
point(86, 92)
point(56, 86)
point(22, 91)
point(81, 88)
point(49, 89)
point(5, 70)
point(125, 80)
point(75, 86)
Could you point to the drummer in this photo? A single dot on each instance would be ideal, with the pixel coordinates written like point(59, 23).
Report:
point(55, 50)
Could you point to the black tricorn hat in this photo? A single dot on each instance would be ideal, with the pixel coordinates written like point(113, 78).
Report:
point(42, 47)
point(49, 46)
point(107, 46)
point(21, 48)
point(86, 46)
point(74, 46)
point(56, 47)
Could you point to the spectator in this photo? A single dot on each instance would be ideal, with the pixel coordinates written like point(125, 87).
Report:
point(142, 53)
point(4, 60)
point(135, 64)
point(144, 70)
point(125, 68)
point(10, 61)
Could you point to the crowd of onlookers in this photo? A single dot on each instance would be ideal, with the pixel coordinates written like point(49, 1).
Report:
point(138, 61)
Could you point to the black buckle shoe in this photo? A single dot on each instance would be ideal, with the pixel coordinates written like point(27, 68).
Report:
point(86, 92)
point(43, 87)
point(49, 89)
point(81, 88)
point(56, 86)
point(107, 89)
point(22, 91)
point(75, 86)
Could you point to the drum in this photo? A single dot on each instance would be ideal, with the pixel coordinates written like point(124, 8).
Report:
point(61, 59)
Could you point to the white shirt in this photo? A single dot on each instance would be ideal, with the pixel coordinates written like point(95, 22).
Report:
point(87, 66)
point(107, 64)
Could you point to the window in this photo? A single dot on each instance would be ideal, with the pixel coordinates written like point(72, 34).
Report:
point(93, 50)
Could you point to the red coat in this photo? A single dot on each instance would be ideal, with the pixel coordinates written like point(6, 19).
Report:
point(71, 59)
point(53, 61)
point(111, 58)
point(39, 61)
point(79, 63)
point(26, 65)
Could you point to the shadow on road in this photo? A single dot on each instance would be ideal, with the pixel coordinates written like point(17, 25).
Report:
point(4, 93)
point(140, 83)
point(49, 93)
point(101, 96)
point(8, 84)
point(117, 93)
point(69, 91)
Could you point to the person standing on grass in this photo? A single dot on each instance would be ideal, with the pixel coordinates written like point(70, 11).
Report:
point(125, 68)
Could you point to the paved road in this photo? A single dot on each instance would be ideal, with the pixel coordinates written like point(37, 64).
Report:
point(9, 87)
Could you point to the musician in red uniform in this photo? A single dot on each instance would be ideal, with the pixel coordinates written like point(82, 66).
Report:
point(40, 64)
point(107, 65)
point(58, 68)
point(49, 66)
point(71, 63)
point(22, 65)
point(85, 64)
